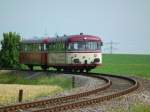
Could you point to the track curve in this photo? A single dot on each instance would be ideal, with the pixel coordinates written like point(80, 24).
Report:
point(133, 85)
point(14, 108)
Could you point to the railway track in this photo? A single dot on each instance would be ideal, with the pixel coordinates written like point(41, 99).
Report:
point(115, 86)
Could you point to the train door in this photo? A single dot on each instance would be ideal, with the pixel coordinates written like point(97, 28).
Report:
point(44, 49)
point(60, 53)
point(56, 53)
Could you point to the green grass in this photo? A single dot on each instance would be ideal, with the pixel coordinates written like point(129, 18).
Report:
point(8, 78)
point(125, 64)
point(10, 83)
point(140, 108)
point(133, 108)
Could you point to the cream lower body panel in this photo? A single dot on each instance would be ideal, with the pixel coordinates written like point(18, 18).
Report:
point(68, 58)
point(89, 57)
point(56, 58)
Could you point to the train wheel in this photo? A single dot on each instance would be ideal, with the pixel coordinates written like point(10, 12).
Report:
point(70, 70)
point(59, 69)
point(81, 70)
point(30, 67)
point(75, 70)
point(44, 67)
point(67, 70)
point(87, 70)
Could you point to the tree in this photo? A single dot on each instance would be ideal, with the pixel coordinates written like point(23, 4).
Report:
point(9, 54)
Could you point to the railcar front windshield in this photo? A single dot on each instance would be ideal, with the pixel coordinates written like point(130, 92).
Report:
point(84, 46)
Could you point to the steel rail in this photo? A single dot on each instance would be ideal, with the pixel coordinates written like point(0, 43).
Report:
point(14, 108)
point(80, 104)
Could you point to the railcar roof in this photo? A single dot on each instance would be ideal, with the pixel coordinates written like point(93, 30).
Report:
point(65, 38)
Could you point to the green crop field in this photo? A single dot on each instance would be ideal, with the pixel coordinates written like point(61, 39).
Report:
point(8, 78)
point(125, 64)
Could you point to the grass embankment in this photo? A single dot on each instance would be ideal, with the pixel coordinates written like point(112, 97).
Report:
point(133, 108)
point(9, 93)
point(32, 88)
point(125, 64)
point(8, 78)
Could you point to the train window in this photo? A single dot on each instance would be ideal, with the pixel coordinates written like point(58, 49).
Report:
point(51, 47)
point(81, 46)
point(25, 47)
point(56, 47)
point(42, 47)
point(74, 46)
point(45, 48)
point(29, 47)
point(93, 46)
point(21, 47)
point(35, 47)
point(99, 46)
point(62, 46)
point(32, 47)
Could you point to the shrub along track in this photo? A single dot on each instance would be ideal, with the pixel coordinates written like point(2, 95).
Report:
point(120, 86)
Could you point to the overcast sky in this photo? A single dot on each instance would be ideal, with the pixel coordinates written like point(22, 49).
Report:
point(126, 22)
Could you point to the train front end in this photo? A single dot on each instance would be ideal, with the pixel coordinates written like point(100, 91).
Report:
point(84, 52)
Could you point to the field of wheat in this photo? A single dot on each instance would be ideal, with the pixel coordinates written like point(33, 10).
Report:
point(9, 92)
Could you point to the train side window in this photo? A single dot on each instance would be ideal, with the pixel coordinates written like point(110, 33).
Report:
point(59, 46)
point(76, 46)
point(62, 46)
point(37, 47)
point(51, 47)
point(40, 47)
point(99, 46)
point(45, 48)
point(21, 47)
point(56, 47)
point(34, 48)
point(25, 47)
point(29, 47)
point(73, 46)
point(81, 46)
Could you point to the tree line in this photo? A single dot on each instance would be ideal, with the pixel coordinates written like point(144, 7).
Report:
point(9, 51)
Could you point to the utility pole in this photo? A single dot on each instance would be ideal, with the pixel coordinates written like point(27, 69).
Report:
point(45, 32)
point(111, 47)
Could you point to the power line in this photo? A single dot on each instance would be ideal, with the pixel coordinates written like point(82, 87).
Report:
point(45, 32)
point(111, 47)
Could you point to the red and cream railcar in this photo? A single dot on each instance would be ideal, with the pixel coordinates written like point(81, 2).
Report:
point(33, 53)
point(73, 52)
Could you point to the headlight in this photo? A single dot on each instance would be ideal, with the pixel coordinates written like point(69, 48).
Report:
point(76, 61)
point(96, 60)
